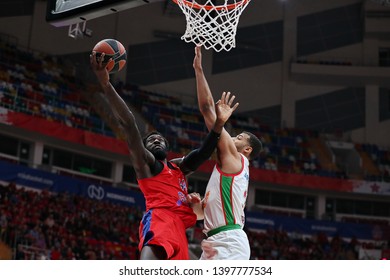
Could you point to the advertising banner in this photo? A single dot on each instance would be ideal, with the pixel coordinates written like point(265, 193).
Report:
point(42, 180)
point(261, 221)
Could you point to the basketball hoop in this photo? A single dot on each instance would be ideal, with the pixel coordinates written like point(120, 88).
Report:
point(210, 25)
point(79, 30)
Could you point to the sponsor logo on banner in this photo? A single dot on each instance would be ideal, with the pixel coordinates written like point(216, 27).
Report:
point(36, 179)
point(121, 197)
point(96, 192)
point(261, 221)
point(43, 180)
point(381, 188)
point(323, 228)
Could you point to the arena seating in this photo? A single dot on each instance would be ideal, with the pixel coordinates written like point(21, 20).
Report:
point(40, 85)
point(41, 225)
point(63, 226)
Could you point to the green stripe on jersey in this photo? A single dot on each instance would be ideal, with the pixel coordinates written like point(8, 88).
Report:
point(227, 184)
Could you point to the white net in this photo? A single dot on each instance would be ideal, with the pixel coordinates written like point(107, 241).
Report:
point(210, 25)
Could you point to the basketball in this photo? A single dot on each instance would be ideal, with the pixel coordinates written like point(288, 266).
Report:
point(111, 49)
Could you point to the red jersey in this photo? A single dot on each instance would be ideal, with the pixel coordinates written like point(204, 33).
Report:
point(167, 212)
point(168, 190)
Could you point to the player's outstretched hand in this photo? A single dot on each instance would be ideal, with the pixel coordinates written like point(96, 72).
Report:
point(224, 108)
point(198, 58)
point(99, 68)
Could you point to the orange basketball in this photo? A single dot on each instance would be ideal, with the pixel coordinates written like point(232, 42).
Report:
point(111, 49)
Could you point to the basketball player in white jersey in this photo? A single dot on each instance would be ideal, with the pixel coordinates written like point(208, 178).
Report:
point(227, 189)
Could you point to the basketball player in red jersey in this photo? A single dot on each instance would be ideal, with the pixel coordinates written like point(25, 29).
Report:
point(163, 183)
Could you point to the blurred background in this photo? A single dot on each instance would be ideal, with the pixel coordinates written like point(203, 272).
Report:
point(312, 79)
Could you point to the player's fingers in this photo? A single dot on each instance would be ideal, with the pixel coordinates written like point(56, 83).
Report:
point(197, 50)
point(193, 197)
point(101, 59)
point(231, 100)
point(223, 98)
point(235, 106)
point(92, 57)
point(227, 97)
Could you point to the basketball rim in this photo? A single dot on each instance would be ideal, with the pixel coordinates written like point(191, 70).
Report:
point(197, 6)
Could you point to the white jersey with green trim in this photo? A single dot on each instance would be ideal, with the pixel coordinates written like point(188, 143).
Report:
point(225, 197)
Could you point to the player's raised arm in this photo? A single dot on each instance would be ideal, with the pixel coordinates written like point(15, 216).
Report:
point(224, 108)
point(205, 97)
point(230, 155)
point(140, 157)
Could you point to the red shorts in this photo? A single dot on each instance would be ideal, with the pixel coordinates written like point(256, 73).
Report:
point(163, 228)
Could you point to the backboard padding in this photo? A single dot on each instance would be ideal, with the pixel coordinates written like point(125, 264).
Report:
point(67, 12)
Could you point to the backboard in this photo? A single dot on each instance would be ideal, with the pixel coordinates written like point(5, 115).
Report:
point(67, 12)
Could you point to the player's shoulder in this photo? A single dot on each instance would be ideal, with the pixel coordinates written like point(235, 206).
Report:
point(176, 162)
